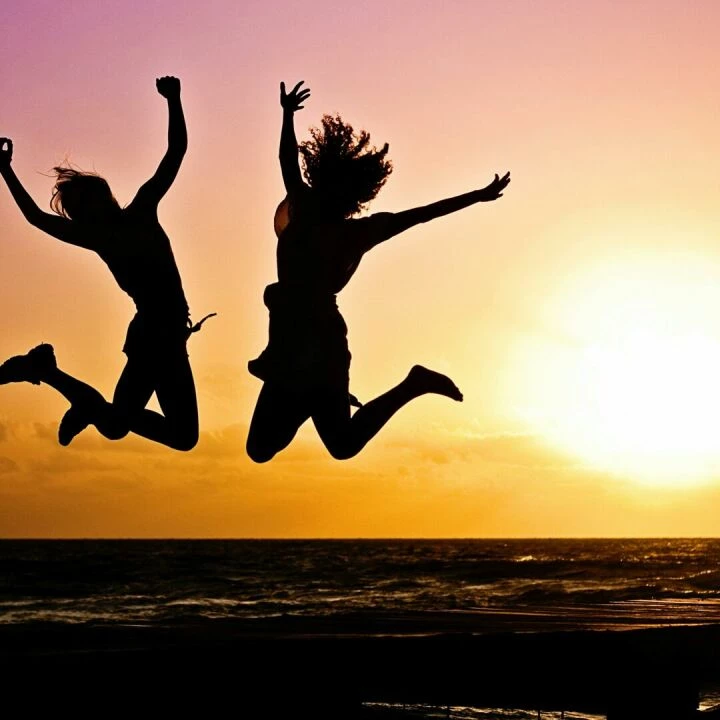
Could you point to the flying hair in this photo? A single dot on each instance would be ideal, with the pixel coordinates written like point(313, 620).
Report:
point(74, 188)
point(342, 168)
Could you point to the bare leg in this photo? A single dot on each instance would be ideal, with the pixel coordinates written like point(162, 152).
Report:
point(277, 417)
point(346, 436)
point(172, 380)
point(87, 404)
point(87, 407)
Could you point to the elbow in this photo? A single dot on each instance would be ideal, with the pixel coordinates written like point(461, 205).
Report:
point(177, 150)
point(177, 143)
point(35, 217)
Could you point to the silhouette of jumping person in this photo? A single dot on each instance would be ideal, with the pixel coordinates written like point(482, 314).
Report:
point(134, 246)
point(305, 366)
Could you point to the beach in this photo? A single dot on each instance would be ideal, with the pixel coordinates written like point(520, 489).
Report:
point(656, 673)
point(81, 641)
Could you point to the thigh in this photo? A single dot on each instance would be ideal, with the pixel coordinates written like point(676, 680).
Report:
point(276, 419)
point(175, 389)
point(135, 387)
point(331, 417)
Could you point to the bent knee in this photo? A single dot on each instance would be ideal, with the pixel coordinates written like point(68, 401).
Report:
point(116, 433)
point(185, 443)
point(115, 429)
point(260, 454)
point(342, 451)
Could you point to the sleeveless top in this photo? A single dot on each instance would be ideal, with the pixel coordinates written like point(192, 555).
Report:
point(138, 253)
point(307, 346)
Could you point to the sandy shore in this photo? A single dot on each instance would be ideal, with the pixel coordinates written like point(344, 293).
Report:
point(332, 667)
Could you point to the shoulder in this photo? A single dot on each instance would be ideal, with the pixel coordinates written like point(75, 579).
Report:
point(77, 233)
point(143, 204)
point(281, 219)
point(369, 231)
point(371, 222)
point(292, 207)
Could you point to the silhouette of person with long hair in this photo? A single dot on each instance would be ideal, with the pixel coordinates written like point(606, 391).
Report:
point(305, 367)
point(135, 247)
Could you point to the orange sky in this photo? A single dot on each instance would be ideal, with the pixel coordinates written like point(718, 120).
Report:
point(606, 114)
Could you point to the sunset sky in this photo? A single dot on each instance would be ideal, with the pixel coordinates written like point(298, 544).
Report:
point(579, 314)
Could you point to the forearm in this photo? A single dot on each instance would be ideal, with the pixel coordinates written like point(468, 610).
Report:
point(177, 130)
point(288, 141)
point(447, 206)
point(289, 150)
point(402, 221)
point(27, 205)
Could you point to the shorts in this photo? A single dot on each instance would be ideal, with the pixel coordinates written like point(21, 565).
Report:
point(307, 348)
point(156, 338)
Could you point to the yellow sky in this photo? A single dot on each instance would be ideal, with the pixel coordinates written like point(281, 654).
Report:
point(606, 114)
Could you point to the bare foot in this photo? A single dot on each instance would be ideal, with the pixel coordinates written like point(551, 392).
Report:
point(429, 381)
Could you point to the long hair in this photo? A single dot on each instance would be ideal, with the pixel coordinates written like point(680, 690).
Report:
point(76, 191)
point(341, 167)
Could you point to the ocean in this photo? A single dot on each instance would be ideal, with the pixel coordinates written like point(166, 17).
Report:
point(602, 583)
point(367, 586)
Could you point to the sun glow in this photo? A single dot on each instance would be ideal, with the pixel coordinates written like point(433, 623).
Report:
point(627, 375)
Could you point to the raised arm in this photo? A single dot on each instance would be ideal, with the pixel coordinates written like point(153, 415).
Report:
point(156, 187)
point(291, 102)
point(59, 227)
point(387, 225)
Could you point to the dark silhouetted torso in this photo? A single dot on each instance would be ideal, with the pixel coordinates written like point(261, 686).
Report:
point(319, 257)
point(136, 249)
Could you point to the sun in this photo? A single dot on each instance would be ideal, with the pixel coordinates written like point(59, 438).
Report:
point(626, 373)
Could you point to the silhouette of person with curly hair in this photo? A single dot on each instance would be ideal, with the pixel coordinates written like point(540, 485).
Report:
point(135, 247)
point(305, 367)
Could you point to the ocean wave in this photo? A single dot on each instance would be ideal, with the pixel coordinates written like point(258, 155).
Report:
point(183, 581)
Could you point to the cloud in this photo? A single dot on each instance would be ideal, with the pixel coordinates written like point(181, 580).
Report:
point(7, 465)
point(228, 441)
point(45, 431)
point(90, 440)
point(427, 483)
point(519, 450)
point(62, 461)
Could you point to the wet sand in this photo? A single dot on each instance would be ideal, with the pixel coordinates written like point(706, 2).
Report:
point(330, 667)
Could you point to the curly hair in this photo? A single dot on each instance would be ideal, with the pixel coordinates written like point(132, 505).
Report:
point(74, 188)
point(342, 168)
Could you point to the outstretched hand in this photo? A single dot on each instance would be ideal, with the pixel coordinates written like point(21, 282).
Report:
point(6, 150)
point(494, 190)
point(293, 101)
point(168, 86)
